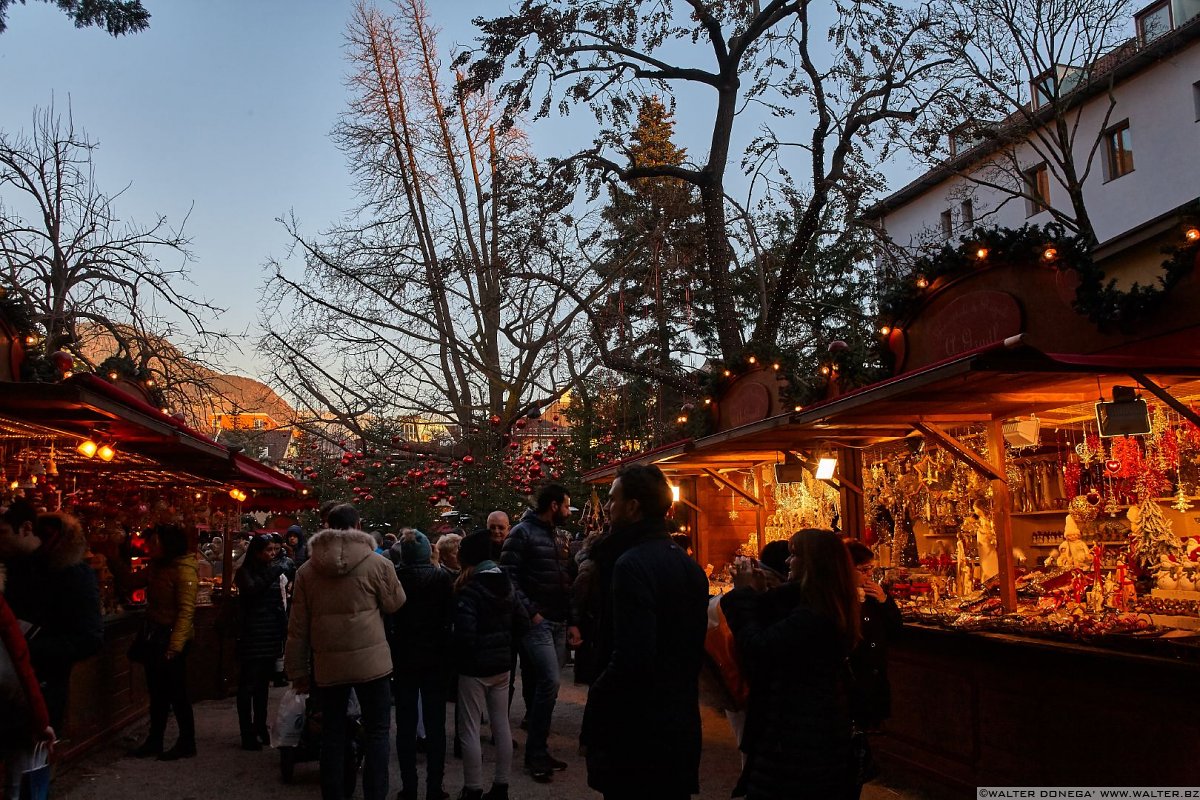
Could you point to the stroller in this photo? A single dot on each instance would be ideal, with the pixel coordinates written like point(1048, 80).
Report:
point(309, 746)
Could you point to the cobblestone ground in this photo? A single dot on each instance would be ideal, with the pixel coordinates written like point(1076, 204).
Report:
point(223, 770)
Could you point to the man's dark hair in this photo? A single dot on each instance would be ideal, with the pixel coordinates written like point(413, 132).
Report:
point(775, 555)
point(648, 485)
point(343, 517)
point(549, 494)
point(326, 507)
point(859, 552)
point(20, 512)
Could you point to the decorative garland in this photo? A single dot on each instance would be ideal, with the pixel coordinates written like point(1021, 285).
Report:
point(1050, 247)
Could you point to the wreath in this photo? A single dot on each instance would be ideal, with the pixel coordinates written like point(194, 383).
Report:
point(1050, 246)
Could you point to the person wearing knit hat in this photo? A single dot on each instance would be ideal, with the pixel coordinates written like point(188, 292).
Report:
point(420, 642)
point(414, 547)
point(489, 622)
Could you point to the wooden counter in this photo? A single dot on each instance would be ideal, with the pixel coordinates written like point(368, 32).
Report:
point(984, 709)
point(108, 692)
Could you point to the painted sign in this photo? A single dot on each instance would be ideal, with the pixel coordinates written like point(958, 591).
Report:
point(973, 320)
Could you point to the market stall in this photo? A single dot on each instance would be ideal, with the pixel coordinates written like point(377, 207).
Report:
point(100, 451)
point(1029, 486)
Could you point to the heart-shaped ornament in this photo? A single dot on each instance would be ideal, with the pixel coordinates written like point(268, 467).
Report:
point(1112, 466)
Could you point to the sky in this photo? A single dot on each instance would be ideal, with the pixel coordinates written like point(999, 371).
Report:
point(221, 112)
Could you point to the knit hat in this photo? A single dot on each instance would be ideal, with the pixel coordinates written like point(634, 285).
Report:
point(414, 547)
point(475, 548)
point(296, 529)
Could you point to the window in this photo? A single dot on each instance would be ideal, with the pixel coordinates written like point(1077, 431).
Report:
point(968, 214)
point(1044, 88)
point(1037, 189)
point(947, 225)
point(1118, 150)
point(1154, 22)
point(258, 424)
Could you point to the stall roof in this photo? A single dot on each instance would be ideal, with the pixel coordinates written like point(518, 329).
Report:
point(149, 441)
point(999, 381)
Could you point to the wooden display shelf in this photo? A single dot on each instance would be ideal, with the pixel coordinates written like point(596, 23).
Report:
point(1063, 511)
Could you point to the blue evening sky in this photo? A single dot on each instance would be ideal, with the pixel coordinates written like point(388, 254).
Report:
point(224, 107)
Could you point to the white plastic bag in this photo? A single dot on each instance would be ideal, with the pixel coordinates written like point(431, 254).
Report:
point(353, 709)
point(289, 720)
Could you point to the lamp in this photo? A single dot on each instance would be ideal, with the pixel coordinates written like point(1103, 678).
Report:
point(674, 493)
point(826, 466)
point(87, 448)
point(106, 452)
point(1126, 415)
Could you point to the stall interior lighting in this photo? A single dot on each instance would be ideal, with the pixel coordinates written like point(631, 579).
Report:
point(238, 495)
point(674, 494)
point(825, 468)
point(87, 448)
point(106, 452)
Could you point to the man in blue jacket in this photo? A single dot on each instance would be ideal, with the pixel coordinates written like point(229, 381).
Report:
point(536, 559)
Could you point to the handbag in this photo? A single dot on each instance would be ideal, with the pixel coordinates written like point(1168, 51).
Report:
point(150, 642)
point(35, 774)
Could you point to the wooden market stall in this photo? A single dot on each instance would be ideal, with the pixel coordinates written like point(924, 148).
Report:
point(964, 471)
point(159, 470)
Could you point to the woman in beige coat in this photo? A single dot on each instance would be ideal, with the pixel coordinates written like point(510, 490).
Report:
point(336, 642)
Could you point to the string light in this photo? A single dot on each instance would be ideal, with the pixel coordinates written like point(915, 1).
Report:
point(112, 376)
point(981, 253)
point(775, 366)
point(885, 330)
point(752, 360)
point(1192, 234)
point(922, 282)
point(726, 373)
point(1050, 253)
point(824, 370)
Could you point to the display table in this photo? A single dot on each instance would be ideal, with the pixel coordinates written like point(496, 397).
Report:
point(108, 692)
point(983, 709)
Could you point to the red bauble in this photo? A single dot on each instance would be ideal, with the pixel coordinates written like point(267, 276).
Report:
point(62, 360)
point(368, 498)
point(464, 494)
point(433, 498)
point(468, 459)
point(537, 455)
point(377, 465)
point(521, 422)
point(494, 419)
point(513, 446)
point(396, 440)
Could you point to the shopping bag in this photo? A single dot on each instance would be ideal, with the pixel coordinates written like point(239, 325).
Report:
point(35, 776)
point(289, 720)
point(353, 708)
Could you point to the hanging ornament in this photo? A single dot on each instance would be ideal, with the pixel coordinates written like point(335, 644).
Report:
point(1084, 509)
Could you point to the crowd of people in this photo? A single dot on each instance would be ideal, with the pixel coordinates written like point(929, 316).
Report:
point(796, 652)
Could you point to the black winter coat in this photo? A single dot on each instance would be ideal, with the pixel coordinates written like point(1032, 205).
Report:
point(797, 736)
point(420, 630)
point(537, 560)
point(262, 618)
point(488, 624)
point(63, 603)
point(641, 725)
point(872, 700)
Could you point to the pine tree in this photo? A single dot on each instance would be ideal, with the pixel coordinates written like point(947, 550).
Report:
point(1153, 537)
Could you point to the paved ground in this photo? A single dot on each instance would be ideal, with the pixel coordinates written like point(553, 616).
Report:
point(223, 769)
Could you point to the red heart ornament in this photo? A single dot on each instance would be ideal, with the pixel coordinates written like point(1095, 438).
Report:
point(1112, 466)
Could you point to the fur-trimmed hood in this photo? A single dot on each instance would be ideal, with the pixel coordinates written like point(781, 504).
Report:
point(65, 547)
point(336, 552)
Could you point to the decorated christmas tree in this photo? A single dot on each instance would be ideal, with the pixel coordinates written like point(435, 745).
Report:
point(1152, 536)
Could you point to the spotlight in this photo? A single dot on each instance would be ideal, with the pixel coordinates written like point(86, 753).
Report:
point(825, 468)
point(106, 452)
point(87, 448)
point(675, 494)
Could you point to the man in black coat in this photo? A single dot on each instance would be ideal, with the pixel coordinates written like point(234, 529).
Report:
point(641, 726)
point(535, 558)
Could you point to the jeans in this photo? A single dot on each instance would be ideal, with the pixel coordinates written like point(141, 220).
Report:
point(425, 690)
point(545, 646)
point(472, 694)
point(375, 697)
point(166, 681)
point(254, 679)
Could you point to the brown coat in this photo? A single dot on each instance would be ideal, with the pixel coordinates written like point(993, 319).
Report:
point(338, 603)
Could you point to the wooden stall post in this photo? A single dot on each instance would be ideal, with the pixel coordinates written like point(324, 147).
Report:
point(853, 510)
point(1001, 514)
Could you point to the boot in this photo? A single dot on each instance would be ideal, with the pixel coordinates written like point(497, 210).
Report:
point(499, 791)
point(263, 734)
point(180, 750)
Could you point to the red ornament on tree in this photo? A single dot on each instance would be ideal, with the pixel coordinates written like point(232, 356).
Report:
point(62, 360)
point(468, 459)
point(494, 419)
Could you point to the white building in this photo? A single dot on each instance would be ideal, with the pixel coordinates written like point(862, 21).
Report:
point(1149, 156)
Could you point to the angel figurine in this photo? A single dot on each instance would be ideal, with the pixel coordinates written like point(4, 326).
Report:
point(1073, 552)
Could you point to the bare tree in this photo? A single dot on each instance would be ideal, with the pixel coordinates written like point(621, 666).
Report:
point(1025, 69)
point(443, 294)
point(94, 284)
point(855, 69)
